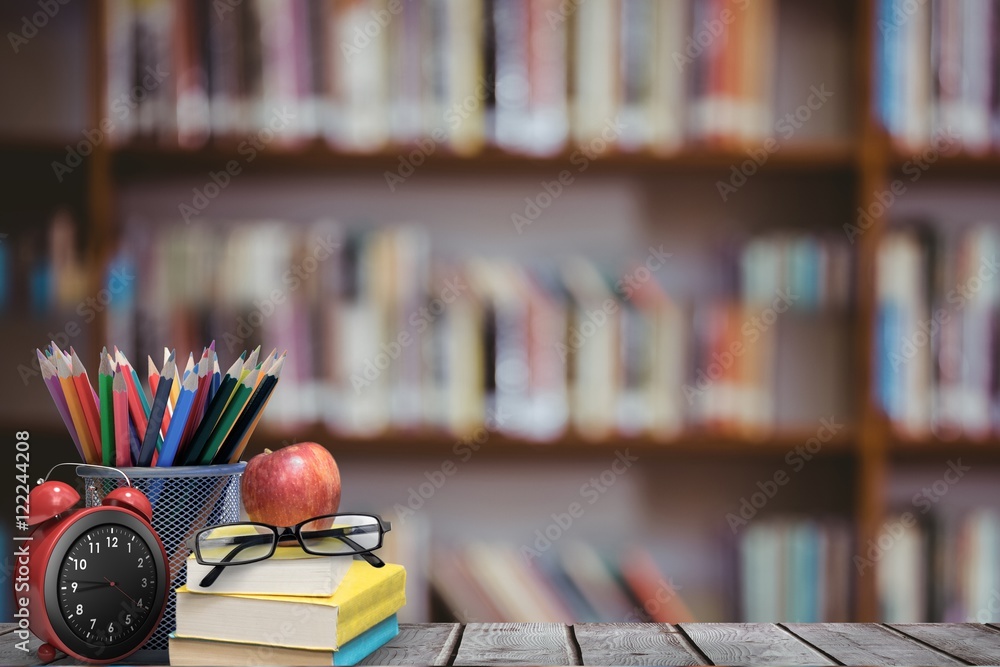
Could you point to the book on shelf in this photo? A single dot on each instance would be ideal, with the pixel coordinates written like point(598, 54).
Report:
point(942, 566)
point(529, 76)
point(795, 570)
point(192, 651)
point(290, 571)
point(391, 338)
point(936, 66)
point(936, 333)
point(367, 596)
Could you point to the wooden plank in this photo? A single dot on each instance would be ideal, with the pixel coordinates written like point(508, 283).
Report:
point(418, 644)
point(517, 644)
point(11, 655)
point(751, 643)
point(868, 644)
point(634, 644)
point(971, 642)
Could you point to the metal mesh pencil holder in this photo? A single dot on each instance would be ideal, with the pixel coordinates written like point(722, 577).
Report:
point(184, 499)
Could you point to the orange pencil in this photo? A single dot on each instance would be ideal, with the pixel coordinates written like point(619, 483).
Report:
point(88, 401)
point(75, 409)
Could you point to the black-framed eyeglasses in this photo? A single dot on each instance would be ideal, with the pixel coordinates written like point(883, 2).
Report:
point(249, 541)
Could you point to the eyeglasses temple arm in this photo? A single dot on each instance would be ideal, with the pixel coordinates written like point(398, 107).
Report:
point(210, 578)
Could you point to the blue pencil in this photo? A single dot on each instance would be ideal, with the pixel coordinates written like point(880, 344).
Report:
point(134, 444)
point(182, 411)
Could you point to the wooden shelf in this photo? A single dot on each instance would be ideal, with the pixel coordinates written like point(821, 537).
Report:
point(931, 448)
point(423, 444)
point(149, 160)
point(979, 165)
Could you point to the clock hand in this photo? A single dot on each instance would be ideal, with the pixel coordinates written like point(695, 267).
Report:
point(116, 586)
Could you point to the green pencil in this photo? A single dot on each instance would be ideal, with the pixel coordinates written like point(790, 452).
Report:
point(213, 413)
point(105, 378)
point(229, 417)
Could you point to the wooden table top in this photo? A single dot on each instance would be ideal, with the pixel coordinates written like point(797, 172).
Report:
point(660, 644)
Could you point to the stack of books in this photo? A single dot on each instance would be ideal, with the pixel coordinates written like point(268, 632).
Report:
point(291, 609)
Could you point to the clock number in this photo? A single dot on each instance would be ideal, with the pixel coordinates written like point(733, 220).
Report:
point(95, 547)
point(128, 619)
point(79, 563)
point(112, 542)
point(144, 582)
point(140, 563)
point(129, 545)
point(75, 586)
point(79, 609)
point(139, 603)
point(111, 628)
point(93, 621)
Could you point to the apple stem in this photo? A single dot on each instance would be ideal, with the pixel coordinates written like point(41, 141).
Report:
point(267, 451)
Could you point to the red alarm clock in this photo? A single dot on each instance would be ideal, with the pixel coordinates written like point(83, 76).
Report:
point(98, 576)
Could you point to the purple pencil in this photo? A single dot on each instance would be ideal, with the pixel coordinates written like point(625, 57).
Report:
point(51, 378)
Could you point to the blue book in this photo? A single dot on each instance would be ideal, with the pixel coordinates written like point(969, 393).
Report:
point(192, 651)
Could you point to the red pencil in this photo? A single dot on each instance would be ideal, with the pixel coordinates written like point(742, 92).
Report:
point(88, 401)
point(134, 403)
point(123, 453)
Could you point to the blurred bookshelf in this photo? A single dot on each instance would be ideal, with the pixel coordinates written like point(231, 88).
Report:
point(719, 112)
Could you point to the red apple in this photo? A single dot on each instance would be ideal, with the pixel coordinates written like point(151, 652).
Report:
point(290, 485)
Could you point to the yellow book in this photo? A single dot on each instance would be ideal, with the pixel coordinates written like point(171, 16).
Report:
point(367, 596)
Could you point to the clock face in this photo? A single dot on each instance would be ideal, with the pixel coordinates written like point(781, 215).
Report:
point(107, 584)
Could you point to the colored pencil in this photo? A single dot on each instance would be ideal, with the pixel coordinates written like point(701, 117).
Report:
point(175, 390)
point(152, 433)
point(250, 364)
point(213, 412)
point(154, 380)
point(216, 379)
point(134, 443)
point(51, 378)
point(229, 417)
point(104, 391)
point(198, 409)
point(123, 446)
point(85, 392)
point(182, 412)
point(239, 435)
point(137, 405)
point(75, 409)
